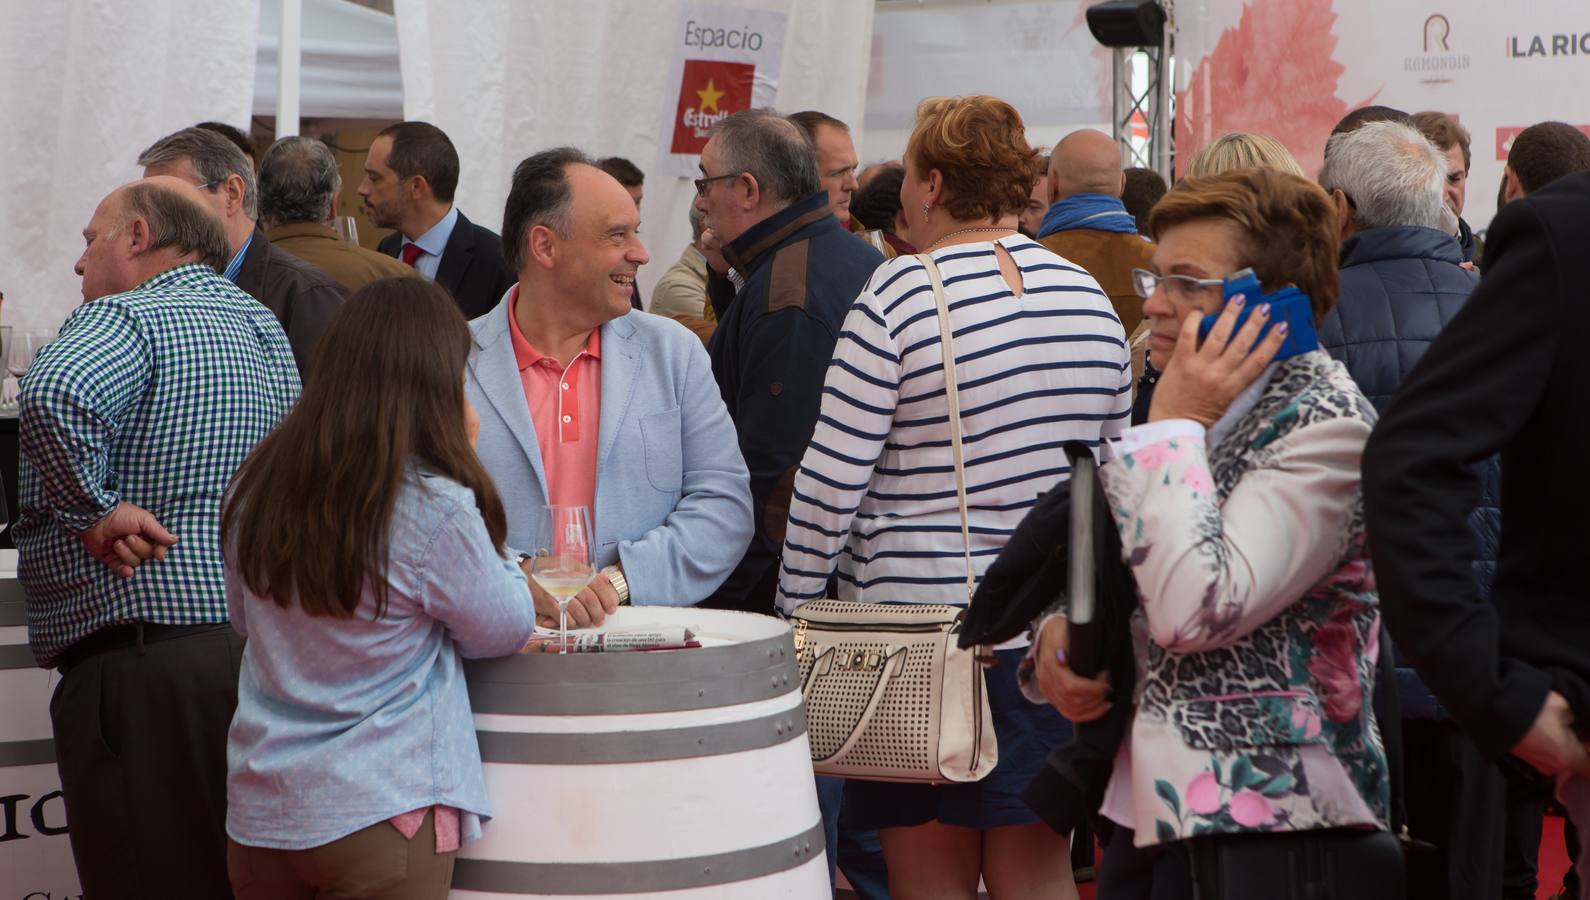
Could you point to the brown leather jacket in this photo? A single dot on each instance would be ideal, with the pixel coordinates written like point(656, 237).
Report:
point(1110, 258)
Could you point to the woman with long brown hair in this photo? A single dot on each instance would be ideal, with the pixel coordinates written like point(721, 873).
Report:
point(364, 556)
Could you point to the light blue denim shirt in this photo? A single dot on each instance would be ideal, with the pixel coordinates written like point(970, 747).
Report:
point(343, 723)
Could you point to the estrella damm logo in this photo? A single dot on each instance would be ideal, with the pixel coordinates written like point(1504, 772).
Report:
point(709, 91)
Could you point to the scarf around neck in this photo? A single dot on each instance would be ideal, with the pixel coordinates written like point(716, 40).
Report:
point(1100, 212)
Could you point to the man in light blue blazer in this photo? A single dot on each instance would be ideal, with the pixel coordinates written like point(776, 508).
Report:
point(582, 401)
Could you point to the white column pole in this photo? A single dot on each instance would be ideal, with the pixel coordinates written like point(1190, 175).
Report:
point(289, 51)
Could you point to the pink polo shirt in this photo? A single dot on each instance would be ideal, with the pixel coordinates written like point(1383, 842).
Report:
point(566, 408)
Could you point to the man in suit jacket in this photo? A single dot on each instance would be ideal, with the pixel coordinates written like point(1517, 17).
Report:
point(1511, 374)
point(298, 186)
point(302, 297)
point(584, 402)
point(410, 174)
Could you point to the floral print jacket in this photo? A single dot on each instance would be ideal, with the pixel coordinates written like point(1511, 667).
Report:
point(1256, 634)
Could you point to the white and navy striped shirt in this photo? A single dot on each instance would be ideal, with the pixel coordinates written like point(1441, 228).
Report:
point(875, 495)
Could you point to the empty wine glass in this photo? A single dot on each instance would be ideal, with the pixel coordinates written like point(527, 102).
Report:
point(24, 348)
point(8, 391)
point(567, 567)
point(346, 228)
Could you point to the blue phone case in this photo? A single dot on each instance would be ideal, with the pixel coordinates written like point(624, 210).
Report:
point(1286, 305)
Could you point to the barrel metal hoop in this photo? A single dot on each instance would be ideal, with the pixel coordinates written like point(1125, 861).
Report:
point(544, 749)
point(17, 656)
point(536, 684)
point(27, 753)
point(643, 877)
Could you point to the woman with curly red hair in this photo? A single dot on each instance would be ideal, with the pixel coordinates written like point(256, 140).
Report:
point(1040, 358)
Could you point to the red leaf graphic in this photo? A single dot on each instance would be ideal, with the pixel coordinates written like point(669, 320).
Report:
point(1273, 73)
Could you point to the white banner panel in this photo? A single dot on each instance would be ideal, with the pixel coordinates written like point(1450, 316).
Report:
point(87, 87)
point(1036, 55)
point(1292, 68)
point(505, 79)
point(724, 60)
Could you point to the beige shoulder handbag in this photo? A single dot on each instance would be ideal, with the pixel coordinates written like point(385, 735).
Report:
point(889, 695)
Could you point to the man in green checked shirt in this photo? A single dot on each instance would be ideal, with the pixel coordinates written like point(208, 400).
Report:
point(132, 422)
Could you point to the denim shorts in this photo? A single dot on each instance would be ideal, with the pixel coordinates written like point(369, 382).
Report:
point(1026, 731)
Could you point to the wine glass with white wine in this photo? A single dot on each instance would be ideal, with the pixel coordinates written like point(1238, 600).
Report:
point(567, 567)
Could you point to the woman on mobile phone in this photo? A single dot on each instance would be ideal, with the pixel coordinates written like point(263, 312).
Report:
point(364, 558)
point(1252, 748)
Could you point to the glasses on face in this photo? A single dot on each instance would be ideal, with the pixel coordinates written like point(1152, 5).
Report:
point(701, 183)
point(1179, 288)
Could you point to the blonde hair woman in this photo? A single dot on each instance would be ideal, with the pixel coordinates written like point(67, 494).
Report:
point(1242, 150)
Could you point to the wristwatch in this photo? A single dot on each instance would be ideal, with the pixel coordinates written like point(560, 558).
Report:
point(615, 574)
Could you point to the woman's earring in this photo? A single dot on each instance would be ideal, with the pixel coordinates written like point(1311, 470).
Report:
point(925, 208)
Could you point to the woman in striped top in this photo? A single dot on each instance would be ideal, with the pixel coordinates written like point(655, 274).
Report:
point(1041, 359)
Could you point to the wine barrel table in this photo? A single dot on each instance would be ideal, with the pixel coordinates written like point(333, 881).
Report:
point(677, 773)
point(35, 853)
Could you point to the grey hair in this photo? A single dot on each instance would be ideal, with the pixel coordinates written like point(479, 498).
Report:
point(1393, 174)
point(298, 177)
point(772, 149)
point(177, 222)
point(698, 220)
point(214, 157)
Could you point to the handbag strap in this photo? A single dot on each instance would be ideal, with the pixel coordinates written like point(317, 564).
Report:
point(952, 395)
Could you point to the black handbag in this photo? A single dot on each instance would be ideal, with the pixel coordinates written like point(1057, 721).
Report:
point(1327, 864)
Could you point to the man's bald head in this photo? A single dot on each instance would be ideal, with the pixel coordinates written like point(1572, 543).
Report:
point(147, 227)
point(1086, 162)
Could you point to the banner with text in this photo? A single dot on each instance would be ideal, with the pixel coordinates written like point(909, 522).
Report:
point(725, 60)
point(1292, 68)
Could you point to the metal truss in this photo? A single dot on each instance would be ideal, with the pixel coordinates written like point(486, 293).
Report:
point(1143, 94)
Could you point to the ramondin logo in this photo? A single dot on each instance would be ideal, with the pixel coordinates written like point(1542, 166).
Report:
point(1436, 30)
point(1437, 60)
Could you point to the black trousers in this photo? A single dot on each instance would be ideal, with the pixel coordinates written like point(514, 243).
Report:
point(140, 741)
point(1126, 872)
point(1456, 800)
point(1526, 808)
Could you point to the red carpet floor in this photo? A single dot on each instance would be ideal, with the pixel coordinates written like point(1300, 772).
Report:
point(1553, 857)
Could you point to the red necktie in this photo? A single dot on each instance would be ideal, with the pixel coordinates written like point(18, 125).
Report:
point(411, 252)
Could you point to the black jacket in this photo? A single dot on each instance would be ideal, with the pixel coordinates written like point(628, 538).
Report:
point(770, 354)
point(1399, 288)
point(472, 267)
point(1510, 374)
point(303, 297)
point(1028, 577)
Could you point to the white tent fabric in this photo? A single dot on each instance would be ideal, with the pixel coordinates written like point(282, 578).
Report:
point(506, 79)
point(349, 67)
point(88, 85)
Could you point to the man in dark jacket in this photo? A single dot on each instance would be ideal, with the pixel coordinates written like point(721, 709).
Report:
point(1402, 281)
point(1509, 374)
point(796, 271)
point(410, 174)
point(303, 297)
point(1452, 139)
point(801, 271)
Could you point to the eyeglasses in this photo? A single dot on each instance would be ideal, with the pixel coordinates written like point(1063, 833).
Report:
point(701, 183)
point(1184, 288)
